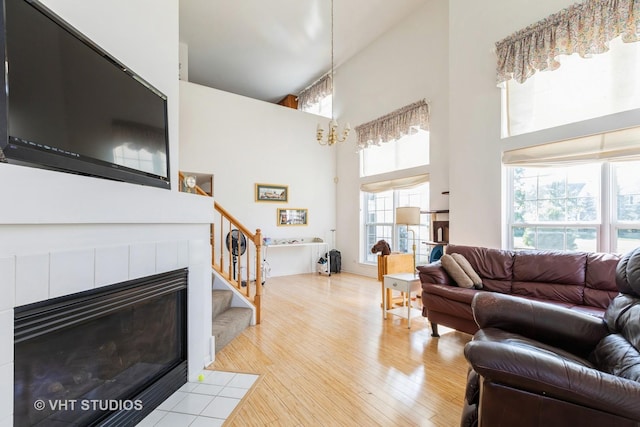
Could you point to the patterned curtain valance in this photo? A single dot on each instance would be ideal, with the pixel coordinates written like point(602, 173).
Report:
point(315, 93)
point(584, 28)
point(394, 125)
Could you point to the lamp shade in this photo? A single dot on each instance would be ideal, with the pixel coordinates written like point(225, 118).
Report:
point(408, 215)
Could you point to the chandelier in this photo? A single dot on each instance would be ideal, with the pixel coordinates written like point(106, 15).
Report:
point(333, 135)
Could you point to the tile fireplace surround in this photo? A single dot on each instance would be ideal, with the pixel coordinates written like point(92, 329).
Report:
point(62, 233)
point(37, 277)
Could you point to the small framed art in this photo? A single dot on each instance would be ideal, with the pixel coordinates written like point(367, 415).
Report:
point(272, 193)
point(288, 216)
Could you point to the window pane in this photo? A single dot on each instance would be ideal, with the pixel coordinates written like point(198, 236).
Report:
point(627, 239)
point(415, 234)
point(555, 238)
point(412, 150)
point(407, 152)
point(321, 108)
point(582, 239)
point(627, 190)
point(517, 238)
point(569, 194)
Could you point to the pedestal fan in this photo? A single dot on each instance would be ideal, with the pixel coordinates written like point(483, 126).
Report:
point(237, 245)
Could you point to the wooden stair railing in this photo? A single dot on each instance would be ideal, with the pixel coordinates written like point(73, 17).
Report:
point(251, 260)
point(222, 259)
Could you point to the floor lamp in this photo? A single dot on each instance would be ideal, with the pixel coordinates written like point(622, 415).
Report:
point(409, 216)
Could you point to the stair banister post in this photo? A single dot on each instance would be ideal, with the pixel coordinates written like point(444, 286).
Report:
point(212, 239)
point(257, 240)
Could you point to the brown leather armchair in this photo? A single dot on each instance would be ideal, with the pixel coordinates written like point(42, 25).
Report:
point(535, 364)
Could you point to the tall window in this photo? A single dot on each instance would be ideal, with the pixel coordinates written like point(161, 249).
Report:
point(379, 221)
point(587, 207)
point(578, 64)
point(396, 142)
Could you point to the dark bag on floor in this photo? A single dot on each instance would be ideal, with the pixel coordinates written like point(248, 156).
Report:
point(335, 258)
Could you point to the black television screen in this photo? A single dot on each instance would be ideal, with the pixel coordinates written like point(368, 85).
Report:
point(72, 107)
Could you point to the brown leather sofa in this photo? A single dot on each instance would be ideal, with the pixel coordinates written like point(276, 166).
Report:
point(580, 281)
point(535, 364)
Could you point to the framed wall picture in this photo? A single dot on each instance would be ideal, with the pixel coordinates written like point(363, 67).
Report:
point(272, 193)
point(287, 216)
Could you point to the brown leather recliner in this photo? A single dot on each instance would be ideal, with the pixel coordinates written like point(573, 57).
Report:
point(535, 364)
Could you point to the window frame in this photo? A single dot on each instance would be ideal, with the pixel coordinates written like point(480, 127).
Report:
point(606, 228)
point(421, 232)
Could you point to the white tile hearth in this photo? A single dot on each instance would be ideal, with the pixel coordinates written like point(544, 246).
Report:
point(207, 402)
point(32, 278)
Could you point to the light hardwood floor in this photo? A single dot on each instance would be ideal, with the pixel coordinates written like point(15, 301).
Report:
point(326, 357)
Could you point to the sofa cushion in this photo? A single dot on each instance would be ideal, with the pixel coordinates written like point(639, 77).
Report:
point(555, 292)
point(599, 288)
point(553, 275)
point(489, 263)
point(502, 286)
point(550, 267)
point(622, 317)
point(628, 273)
point(616, 356)
point(468, 268)
point(510, 341)
point(456, 272)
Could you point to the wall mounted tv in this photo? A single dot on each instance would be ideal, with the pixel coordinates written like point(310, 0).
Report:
point(69, 106)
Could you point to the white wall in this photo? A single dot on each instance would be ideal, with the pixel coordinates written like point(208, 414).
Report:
point(406, 64)
point(62, 233)
point(243, 141)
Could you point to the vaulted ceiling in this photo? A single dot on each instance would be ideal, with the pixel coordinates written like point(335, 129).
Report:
point(268, 49)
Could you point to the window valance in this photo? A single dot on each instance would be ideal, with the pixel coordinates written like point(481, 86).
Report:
point(313, 94)
point(394, 125)
point(584, 28)
point(394, 184)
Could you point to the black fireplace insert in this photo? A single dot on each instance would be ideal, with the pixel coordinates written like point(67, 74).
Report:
point(108, 356)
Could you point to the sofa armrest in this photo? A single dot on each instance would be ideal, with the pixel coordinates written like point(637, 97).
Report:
point(566, 329)
point(544, 373)
point(433, 274)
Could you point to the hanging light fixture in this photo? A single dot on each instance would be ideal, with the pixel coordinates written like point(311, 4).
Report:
point(333, 134)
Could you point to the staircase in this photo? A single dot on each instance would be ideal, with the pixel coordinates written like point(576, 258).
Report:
point(227, 321)
point(237, 279)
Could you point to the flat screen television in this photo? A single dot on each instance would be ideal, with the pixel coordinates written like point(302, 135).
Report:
point(70, 106)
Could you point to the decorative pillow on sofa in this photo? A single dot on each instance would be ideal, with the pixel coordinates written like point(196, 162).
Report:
point(455, 271)
point(466, 266)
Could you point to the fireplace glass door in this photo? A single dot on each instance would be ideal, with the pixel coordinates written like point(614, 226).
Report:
point(84, 358)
